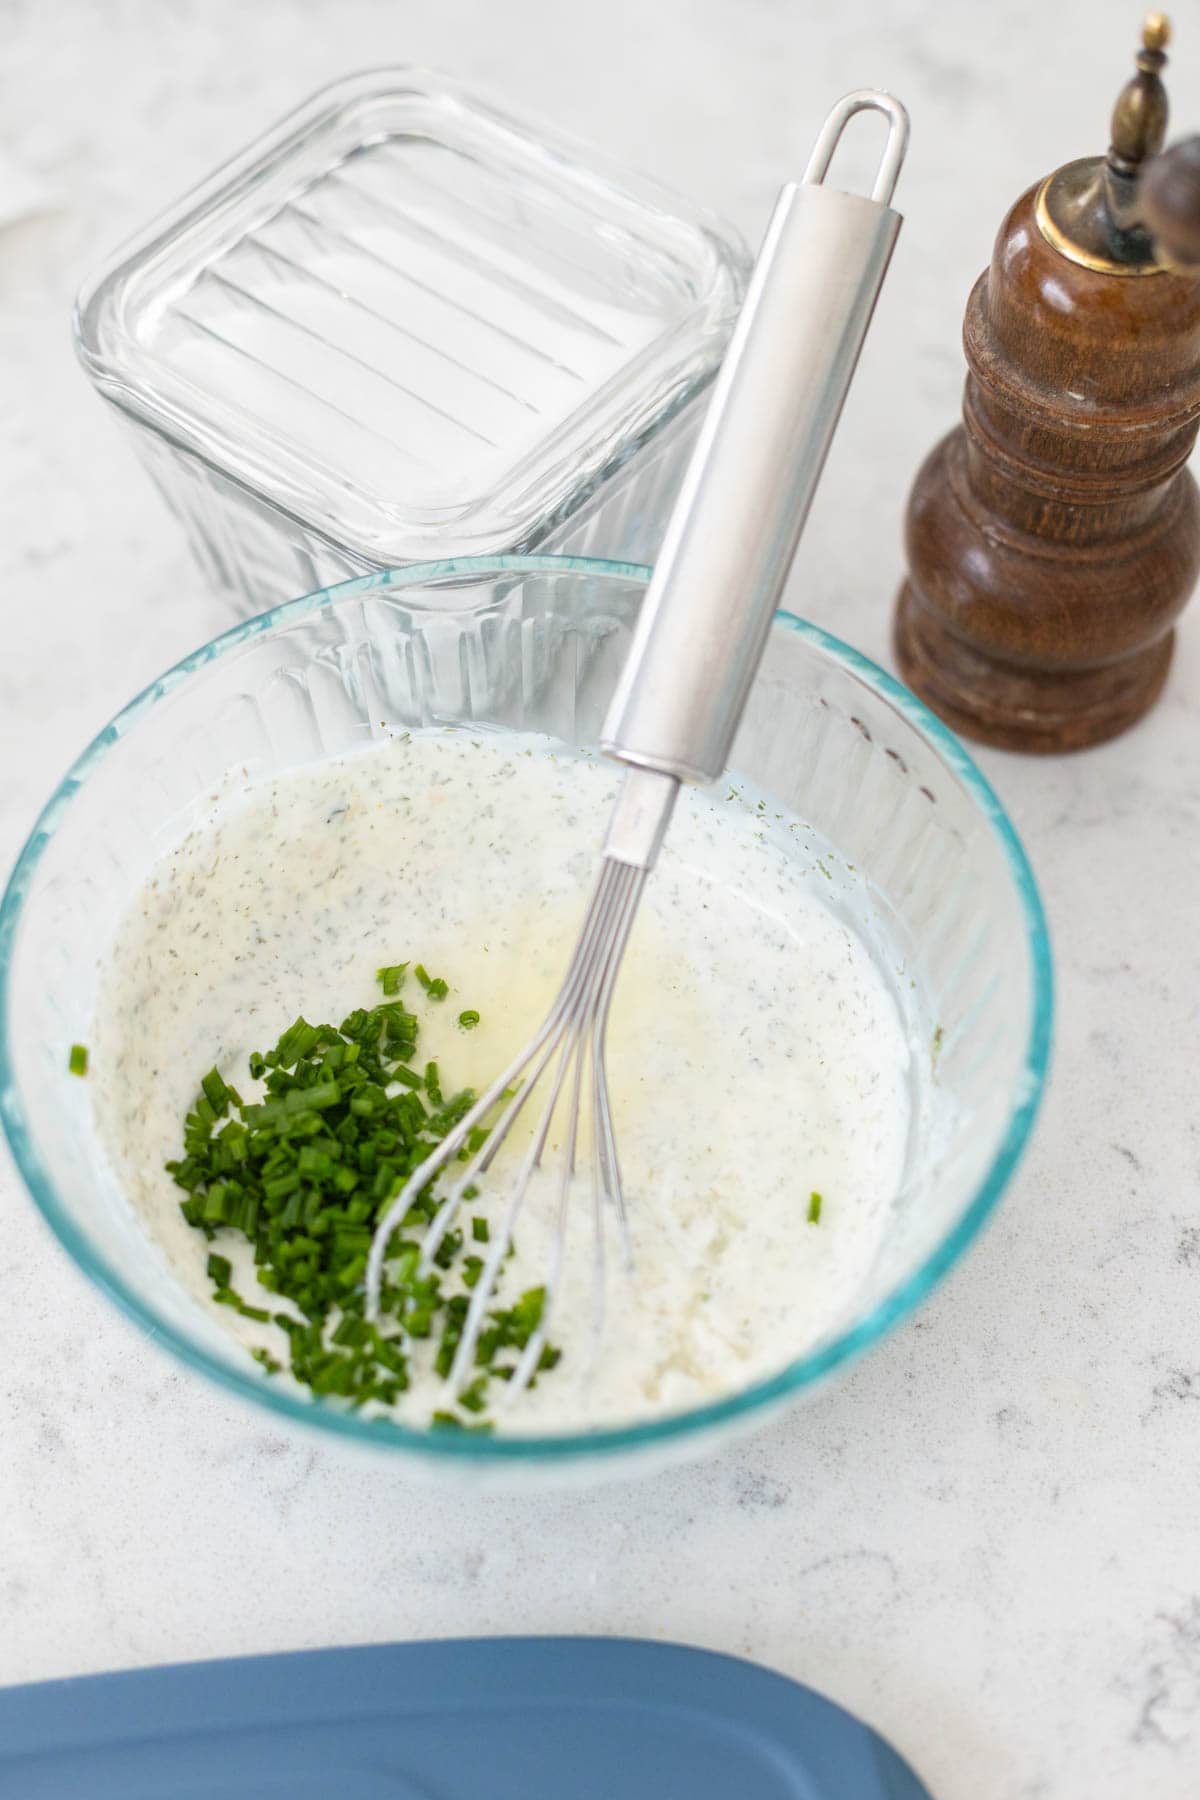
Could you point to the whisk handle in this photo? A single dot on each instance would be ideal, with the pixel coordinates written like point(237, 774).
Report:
point(757, 462)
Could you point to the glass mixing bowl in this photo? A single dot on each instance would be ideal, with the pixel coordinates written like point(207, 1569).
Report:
point(930, 872)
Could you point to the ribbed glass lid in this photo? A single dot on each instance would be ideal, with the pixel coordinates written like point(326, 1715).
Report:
point(402, 313)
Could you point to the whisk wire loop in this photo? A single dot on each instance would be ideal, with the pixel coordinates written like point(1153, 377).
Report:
point(572, 1036)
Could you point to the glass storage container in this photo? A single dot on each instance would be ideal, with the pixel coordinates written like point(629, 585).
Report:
point(404, 326)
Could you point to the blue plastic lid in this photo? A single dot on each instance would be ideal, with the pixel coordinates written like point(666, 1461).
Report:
point(478, 1719)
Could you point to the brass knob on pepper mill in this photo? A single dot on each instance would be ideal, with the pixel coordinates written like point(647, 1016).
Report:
point(1054, 536)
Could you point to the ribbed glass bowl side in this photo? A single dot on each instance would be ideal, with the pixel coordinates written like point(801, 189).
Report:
point(929, 869)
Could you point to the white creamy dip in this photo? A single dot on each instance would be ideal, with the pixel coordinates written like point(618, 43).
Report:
point(756, 1054)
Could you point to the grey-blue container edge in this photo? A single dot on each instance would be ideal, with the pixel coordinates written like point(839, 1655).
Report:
point(460, 1719)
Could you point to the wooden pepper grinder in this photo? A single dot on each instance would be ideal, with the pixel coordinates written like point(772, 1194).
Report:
point(1054, 536)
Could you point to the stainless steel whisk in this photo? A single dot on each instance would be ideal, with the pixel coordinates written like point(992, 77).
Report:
point(697, 646)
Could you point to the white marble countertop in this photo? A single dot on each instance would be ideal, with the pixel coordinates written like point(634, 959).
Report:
point(985, 1540)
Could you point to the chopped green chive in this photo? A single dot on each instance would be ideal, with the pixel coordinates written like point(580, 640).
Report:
point(473, 1397)
point(390, 978)
point(301, 1177)
point(77, 1062)
point(468, 1020)
point(215, 1092)
point(434, 986)
point(814, 1208)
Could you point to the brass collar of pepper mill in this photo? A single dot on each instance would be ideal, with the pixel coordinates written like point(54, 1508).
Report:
point(1087, 209)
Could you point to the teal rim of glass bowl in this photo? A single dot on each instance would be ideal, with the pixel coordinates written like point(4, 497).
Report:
point(384, 1433)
